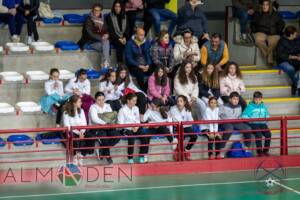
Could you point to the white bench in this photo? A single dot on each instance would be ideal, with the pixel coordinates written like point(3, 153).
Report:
point(11, 77)
point(42, 46)
point(17, 47)
point(6, 108)
point(28, 107)
point(66, 74)
point(37, 76)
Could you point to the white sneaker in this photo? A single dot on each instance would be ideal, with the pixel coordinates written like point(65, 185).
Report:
point(15, 38)
point(145, 159)
point(106, 64)
point(29, 40)
point(80, 159)
point(75, 160)
point(175, 143)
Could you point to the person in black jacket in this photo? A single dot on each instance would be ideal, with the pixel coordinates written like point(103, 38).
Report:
point(94, 33)
point(288, 54)
point(156, 9)
point(118, 28)
point(267, 26)
point(29, 9)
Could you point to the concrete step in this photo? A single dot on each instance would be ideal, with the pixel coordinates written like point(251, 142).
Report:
point(13, 92)
point(50, 34)
point(71, 61)
point(269, 91)
point(26, 120)
point(265, 77)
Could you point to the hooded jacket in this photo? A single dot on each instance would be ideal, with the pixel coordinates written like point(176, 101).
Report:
point(256, 111)
point(229, 111)
point(230, 84)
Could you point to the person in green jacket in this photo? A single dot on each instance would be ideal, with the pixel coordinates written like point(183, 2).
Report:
point(257, 109)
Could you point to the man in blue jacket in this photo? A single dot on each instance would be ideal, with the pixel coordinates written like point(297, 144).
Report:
point(8, 15)
point(138, 59)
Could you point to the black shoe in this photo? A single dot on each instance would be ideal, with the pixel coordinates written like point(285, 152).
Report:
point(109, 161)
point(294, 90)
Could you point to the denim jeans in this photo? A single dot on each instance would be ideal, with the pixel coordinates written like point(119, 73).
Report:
point(165, 13)
point(15, 23)
point(242, 15)
point(290, 70)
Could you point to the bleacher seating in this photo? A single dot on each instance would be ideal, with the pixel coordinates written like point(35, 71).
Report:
point(11, 76)
point(6, 108)
point(28, 107)
point(17, 47)
point(42, 46)
point(67, 46)
point(74, 18)
point(288, 15)
point(37, 76)
point(274, 85)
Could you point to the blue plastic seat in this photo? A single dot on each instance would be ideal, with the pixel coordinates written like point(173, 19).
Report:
point(55, 140)
point(74, 18)
point(55, 20)
point(20, 140)
point(288, 15)
point(298, 13)
point(67, 46)
point(2, 143)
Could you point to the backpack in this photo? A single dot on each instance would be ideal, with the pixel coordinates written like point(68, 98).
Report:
point(45, 11)
point(237, 151)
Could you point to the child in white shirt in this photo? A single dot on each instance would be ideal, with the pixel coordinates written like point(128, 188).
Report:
point(211, 130)
point(157, 114)
point(52, 103)
point(100, 107)
point(111, 90)
point(130, 114)
point(181, 112)
point(74, 116)
point(81, 86)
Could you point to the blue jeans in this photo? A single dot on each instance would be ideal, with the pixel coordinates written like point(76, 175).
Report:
point(242, 15)
point(165, 13)
point(15, 23)
point(290, 70)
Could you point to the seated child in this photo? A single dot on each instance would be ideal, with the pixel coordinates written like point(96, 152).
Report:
point(257, 109)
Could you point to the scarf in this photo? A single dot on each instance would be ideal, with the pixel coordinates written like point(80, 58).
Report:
point(164, 45)
point(116, 26)
point(98, 22)
point(138, 43)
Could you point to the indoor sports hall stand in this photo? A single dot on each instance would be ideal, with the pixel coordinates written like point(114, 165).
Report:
point(33, 167)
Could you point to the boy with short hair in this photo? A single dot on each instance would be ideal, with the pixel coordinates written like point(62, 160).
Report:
point(257, 109)
point(233, 110)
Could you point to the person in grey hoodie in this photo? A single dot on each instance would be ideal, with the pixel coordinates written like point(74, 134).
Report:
point(233, 110)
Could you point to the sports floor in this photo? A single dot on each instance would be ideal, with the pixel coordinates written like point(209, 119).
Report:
point(245, 185)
